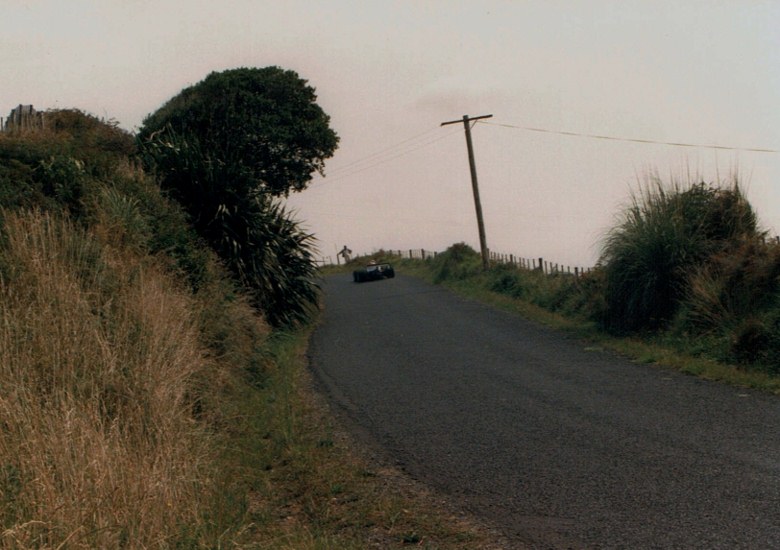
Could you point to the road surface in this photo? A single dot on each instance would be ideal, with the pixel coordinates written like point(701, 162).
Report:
point(558, 444)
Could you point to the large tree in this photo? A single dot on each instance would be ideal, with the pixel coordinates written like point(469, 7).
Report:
point(264, 122)
point(226, 148)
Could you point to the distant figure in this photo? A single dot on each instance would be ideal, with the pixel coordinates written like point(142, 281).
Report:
point(346, 253)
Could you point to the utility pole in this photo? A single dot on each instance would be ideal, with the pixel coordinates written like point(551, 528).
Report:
point(474, 187)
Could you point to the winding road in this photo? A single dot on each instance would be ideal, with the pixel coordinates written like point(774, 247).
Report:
point(558, 444)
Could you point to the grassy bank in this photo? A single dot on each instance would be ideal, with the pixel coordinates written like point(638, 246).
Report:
point(146, 401)
point(142, 416)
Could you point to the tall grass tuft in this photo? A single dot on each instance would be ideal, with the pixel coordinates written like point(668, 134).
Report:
point(98, 354)
point(735, 298)
point(663, 236)
point(458, 262)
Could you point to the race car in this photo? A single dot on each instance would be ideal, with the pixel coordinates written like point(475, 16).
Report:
point(373, 272)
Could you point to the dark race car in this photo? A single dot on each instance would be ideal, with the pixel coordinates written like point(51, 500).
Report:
point(373, 272)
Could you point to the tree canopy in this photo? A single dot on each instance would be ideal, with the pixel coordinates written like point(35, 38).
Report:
point(263, 122)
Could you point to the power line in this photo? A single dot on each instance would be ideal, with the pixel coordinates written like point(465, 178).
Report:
point(386, 149)
point(633, 140)
point(345, 171)
point(392, 218)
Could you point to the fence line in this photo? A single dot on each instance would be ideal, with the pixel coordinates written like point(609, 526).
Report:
point(23, 117)
point(530, 264)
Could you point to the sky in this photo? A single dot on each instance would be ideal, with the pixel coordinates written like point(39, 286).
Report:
point(388, 73)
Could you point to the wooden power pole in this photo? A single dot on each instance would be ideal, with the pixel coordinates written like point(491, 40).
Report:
point(475, 188)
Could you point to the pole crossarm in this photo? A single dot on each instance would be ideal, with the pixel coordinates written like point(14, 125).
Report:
point(466, 120)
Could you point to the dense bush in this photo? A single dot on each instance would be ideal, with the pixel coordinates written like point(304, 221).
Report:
point(459, 261)
point(274, 260)
point(735, 297)
point(101, 145)
point(664, 236)
point(508, 280)
point(263, 124)
point(685, 266)
point(55, 168)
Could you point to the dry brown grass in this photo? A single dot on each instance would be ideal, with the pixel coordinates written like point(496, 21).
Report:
point(98, 446)
point(135, 415)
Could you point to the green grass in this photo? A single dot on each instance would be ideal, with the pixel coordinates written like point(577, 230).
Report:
point(664, 352)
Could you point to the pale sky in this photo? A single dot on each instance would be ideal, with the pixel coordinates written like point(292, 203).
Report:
point(389, 72)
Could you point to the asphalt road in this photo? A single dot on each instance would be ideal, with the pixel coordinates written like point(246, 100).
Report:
point(560, 445)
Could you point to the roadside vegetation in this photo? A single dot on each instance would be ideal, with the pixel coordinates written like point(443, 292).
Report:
point(686, 278)
point(155, 306)
point(154, 381)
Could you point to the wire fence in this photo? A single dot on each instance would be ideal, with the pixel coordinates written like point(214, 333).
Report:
point(23, 117)
point(530, 264)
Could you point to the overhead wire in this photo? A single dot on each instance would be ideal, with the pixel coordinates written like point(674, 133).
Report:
point(400, 149)
point(631, 140)
point(386, 149)
point(425, 139)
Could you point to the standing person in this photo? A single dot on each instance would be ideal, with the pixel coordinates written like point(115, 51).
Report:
point(346, 253)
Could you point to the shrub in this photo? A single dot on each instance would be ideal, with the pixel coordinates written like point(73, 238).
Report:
point(121, 220)
point(736, 296)
point(56, 168)
point(506, 279)
point(275, 261)
point(130, 209)
point(663, 236)
point(98, 143)
point(458, 262)
point(227, 170)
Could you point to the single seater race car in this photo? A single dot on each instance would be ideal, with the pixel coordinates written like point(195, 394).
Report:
point(373, 272)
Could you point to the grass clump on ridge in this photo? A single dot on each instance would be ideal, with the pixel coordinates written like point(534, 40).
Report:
point(662, 237)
